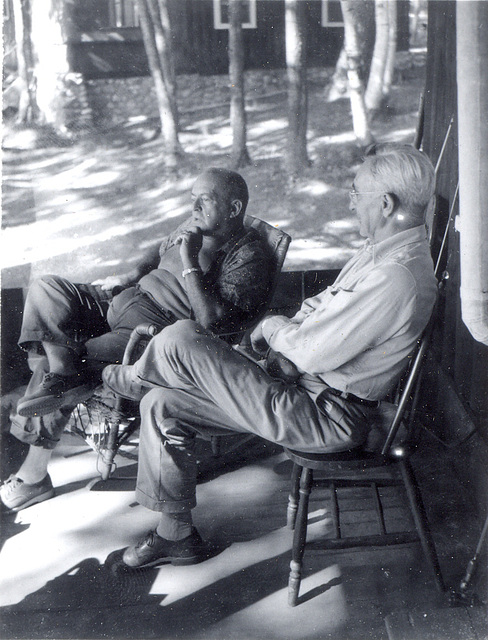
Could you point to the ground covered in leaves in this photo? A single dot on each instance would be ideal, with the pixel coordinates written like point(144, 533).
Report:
point(88, 209)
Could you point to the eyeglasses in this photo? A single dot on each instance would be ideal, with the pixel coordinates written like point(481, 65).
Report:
point(353, 194)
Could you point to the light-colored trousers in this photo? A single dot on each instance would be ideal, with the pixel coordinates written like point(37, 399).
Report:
point(201, 385)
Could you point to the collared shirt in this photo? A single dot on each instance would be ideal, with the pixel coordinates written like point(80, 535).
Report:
point(239, 276)
point(356, 335)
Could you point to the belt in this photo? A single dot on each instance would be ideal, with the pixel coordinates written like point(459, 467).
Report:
point(350, 397)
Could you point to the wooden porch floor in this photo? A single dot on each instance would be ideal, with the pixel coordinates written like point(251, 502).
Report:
point(54, 583)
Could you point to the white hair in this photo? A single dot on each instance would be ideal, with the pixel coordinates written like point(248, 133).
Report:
point(404, 172)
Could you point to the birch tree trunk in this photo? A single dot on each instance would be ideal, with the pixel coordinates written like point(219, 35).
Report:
point(373, 96)
point(42, 60)
point(295, 42)
point(356, 88)
point(154, 21)
point(364, 20)
point(383, 64)
point(51, 61)
point(239, 156)
point(392, 46)
point(28, 108)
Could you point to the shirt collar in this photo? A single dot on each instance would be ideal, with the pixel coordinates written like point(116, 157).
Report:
point(380, 250)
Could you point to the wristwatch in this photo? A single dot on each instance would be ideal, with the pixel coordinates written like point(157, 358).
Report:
point(185, 272)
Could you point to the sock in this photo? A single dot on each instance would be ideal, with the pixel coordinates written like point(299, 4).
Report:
point(175, 526)
point(30, 478)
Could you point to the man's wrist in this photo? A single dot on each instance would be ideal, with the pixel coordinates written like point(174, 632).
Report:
point(186, 272)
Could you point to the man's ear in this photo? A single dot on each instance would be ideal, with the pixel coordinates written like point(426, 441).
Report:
point(235, 208)
point(388, 204)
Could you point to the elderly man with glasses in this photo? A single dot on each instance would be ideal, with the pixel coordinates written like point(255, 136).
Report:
point(327, 368)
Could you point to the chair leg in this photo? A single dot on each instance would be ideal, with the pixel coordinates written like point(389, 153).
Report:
point(300, 537)
point(421, 522)
point(291, 513)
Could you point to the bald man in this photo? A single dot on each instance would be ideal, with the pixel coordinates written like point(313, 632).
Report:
point(211, 269)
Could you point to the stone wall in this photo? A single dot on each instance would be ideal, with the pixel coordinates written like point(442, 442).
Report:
point(113, 101)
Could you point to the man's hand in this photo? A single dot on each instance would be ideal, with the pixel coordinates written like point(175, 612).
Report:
point(258, 342)
point(190, 241)
point(110, 282)
point(280, 367)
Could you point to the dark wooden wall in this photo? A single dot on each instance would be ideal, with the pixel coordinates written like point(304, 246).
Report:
point(99, 52)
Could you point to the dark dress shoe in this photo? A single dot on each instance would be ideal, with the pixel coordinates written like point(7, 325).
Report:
point(154, 550)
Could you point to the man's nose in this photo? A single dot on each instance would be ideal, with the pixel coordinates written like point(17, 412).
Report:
point(197, 204)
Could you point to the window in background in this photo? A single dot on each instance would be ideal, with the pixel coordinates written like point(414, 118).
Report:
point(221, 14)
point(332, 13)
point(123, 13)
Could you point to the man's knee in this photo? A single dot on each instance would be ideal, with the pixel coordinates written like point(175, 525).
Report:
point(48, 288)
point(150, 402)
point(160, 408)
point(159, 403)
point(44, 284)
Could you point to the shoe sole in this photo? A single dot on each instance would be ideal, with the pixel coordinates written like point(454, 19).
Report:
point(42, 406)
point(35, 500)
point(177, 562)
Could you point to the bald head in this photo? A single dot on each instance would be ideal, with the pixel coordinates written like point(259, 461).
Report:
point(233, 184)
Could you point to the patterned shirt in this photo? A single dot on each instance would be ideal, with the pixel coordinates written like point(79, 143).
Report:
point(239, 277)
point(356, 335)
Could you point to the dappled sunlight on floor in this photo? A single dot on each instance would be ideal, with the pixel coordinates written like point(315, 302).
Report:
point(180, 582)
point(323, 611)
point(53, 558)
point(56, 582)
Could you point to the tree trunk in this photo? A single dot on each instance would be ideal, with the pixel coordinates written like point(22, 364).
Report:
point(295, 40)
point(28, 108)
point(51, 61)
point(392, 46)
point(42, 58)
point(154, 23)
point(240, 156)
point(365, 28)
point(373, 96)
point(356, 88)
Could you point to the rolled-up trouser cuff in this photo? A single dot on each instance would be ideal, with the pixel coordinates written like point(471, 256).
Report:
point(32, 437)
point(42, 431)
point(164, 505)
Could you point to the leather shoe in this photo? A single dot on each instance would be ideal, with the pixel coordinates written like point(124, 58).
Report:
point(154, 550)
point(15, 494)
point(56, 391)
point(119, 378)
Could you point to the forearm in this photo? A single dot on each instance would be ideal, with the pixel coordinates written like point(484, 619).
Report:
point(207, 309)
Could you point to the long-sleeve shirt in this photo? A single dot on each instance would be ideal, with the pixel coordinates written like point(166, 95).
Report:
point(356, 335)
